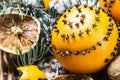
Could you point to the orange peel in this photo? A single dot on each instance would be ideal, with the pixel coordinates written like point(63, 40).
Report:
point(31, 72)
point(47, 2)
point(84, 39)
point(112, 6)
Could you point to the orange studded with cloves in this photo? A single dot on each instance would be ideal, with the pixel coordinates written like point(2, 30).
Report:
point(111, 7)
point(84, 39)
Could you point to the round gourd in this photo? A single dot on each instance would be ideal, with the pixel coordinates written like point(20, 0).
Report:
point(84, 39)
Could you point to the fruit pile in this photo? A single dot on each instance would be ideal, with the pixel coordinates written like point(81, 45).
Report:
point(84, 39)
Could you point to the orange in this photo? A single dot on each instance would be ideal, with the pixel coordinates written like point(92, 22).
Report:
point(113, 6)
point(84, 39)
point(103, 4)
point(31, 72)
point(47, 2)
point(18, 32)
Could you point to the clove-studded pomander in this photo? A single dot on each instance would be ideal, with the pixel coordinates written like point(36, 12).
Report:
point(84, 40)
point(111, 7)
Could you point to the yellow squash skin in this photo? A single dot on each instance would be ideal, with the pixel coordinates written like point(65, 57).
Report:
point(84, 46)
point(112, 6)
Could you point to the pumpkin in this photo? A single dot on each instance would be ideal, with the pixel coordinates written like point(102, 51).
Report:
point(84, 39)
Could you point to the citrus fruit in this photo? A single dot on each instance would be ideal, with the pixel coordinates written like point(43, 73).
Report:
point(47, 2)
point(112, 6)
point(84, 39)
point(18, 32)
point(31, 72)
point(103, 4)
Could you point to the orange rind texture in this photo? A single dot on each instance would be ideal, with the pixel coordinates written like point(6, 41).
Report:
point(31, 72)
point(111, 6)
point(84, 39)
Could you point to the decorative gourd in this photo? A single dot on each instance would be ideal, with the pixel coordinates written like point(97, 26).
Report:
point(84, 39)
